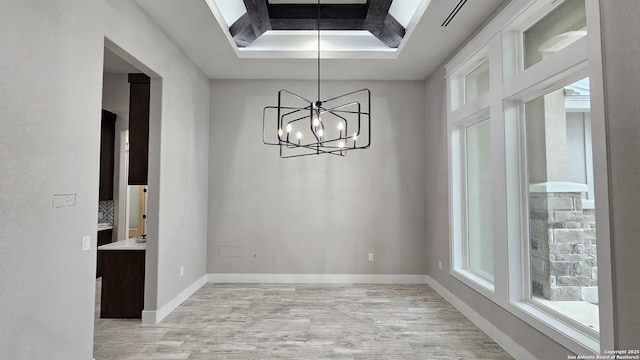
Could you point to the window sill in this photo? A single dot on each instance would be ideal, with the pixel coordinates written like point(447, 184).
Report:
point(570, 337)
point(475, 281)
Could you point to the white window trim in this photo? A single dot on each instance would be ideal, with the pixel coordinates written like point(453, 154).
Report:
point(460, 258)
point(458, 77)
point(473, 67)
point(572, 335)
point(589, 203)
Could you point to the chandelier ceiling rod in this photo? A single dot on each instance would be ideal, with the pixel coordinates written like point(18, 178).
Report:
point(318, 20)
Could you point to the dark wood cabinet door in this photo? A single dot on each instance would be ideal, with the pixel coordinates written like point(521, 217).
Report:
point(139, 93)
point(107, 154)
point(104, 237)
point(122, 283)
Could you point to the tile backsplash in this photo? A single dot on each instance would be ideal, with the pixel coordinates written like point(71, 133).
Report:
point(106, 209)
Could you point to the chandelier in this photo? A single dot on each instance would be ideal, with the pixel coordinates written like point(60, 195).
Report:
point(332, 126)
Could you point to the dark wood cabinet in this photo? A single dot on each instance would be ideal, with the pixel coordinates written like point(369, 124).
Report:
point(139, 97)
point(104, 237)
point(107, 154)
point(122, 293)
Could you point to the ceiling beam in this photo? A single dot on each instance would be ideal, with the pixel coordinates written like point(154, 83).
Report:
point(259, 16)
point(242, 31)
point(305, 16)
point(262, 16)
point(312, 24)
point(376, 15)
point(310, 11)
point(392, 32)
point(382, 24)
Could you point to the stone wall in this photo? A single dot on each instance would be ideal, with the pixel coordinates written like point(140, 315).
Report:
point(563, 247)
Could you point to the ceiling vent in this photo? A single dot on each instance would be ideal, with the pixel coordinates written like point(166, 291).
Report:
point(453, 13)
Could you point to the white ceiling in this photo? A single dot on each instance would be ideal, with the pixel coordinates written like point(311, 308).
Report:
point(195, 28)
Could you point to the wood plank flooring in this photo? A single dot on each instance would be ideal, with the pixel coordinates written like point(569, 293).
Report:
point(301, 321)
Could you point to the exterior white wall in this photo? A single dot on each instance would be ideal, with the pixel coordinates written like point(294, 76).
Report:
point(50, 101)
point(316, 214)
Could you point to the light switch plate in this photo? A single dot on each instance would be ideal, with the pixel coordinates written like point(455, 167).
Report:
point(86, 243)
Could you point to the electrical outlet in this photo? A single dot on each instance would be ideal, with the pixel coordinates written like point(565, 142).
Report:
point(370, 256)
point(439, 264)
point(181, 270)
point(86, 243)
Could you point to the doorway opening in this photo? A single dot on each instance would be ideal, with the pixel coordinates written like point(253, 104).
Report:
point(127, 212)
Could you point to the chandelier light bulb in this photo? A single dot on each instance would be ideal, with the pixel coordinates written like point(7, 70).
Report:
point(279, 132)
point(289, 127)
point(340, 126)
point(316, 120)
point(355, 136)
point(341, 144)
point(321, 133)
point(299, 135)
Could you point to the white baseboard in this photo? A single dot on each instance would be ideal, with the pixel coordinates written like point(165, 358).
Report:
point(510, 346)
point(317, 278)
point(155, 316)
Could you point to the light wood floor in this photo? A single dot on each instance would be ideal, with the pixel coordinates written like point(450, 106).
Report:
point(281, 321)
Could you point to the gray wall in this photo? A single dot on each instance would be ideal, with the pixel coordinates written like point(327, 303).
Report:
point(317, 214)
point(50, 101)
point(621, 53)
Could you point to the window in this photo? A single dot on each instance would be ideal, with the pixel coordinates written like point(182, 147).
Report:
point(578, 107)
point(472, 174)
point(562, 242)
point(479, 234)
point(563, 26)
point(469, 80)
point(476, 82)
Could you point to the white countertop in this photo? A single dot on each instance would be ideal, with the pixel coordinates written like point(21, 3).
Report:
point(129, 244)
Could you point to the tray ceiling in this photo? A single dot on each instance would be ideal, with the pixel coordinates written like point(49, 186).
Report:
point(360, 45)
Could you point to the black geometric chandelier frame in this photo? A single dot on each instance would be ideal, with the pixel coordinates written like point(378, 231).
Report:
point(334, 126)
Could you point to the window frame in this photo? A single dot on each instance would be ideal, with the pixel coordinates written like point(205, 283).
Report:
point(460, 260)
point(477, 64)
point(524, 300)
point(458, 85)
